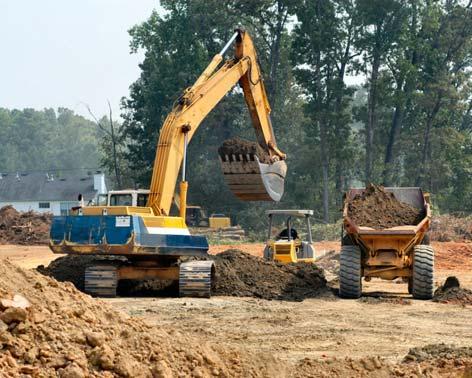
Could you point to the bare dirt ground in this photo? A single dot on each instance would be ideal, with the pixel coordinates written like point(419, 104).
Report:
point(386, 322)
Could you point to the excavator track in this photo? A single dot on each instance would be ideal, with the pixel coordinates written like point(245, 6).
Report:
point(196, 278)
point(101, 280)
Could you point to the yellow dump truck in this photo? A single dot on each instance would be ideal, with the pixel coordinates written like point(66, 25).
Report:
point(388, 253)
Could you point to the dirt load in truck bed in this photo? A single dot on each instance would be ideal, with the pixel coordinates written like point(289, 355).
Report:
point(236, 146)
point(379, 209)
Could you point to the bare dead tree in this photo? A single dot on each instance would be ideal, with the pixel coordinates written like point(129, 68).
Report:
point(111, 133)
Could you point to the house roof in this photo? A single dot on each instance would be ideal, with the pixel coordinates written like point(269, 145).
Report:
point(38, 186)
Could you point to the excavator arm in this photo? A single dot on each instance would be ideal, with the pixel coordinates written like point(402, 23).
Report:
point(191, 109)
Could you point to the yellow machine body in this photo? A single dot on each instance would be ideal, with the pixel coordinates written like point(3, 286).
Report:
point(290, 248)
point(219, 222)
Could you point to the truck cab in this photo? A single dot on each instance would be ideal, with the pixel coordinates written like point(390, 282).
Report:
point(127, 197)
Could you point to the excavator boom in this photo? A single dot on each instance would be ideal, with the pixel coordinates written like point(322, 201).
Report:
point(246, 176)
point(149, 238)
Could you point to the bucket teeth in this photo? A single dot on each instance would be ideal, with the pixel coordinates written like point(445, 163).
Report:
point(251, 180)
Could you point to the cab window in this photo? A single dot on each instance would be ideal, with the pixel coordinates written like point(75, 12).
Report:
point(121, 200)
point(102, 200)
point(142, 199)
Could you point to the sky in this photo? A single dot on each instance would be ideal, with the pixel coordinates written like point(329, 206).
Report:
point(64, 53)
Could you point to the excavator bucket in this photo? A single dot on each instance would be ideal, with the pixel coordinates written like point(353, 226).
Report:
point(251, 180)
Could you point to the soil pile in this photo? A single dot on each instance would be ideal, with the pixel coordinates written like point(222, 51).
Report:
point(437, 360)
point(442, 350)
point(237, 146)
point(379, 209)
point(237, 274)
point(51, 329)
point(28, 228)
point(243, 275)
point(452, 292)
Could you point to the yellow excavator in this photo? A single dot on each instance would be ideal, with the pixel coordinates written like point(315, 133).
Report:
point(151, 241)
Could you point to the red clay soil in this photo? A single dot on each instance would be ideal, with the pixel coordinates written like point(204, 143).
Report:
point(237, 146)
point(28, 228)
point(453, 256)
point(379, 209)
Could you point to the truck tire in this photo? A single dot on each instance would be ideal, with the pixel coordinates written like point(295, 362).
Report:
point(350, 272)
point(422, 283)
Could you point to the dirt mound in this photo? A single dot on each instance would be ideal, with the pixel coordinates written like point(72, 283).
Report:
point(243, 275)
point(442, 350)
point(451, 292)
point(237, 146)
point(379, 209)
point(437, 360)
point(237, 274)
point(68, 334)
point(28, 228)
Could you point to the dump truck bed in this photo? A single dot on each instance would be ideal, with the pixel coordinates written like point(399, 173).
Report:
point(410, 195)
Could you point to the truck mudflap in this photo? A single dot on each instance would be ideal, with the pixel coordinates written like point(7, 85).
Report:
point(120, 235)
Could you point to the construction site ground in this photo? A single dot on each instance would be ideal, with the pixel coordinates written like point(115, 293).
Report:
point(386, 322)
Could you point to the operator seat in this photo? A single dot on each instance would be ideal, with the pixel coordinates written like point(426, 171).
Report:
point(284, 234)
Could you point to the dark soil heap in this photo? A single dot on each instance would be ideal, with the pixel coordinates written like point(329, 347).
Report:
point(236, 146)
point(436, 360)
point(442, 350)
point(379, 209)
point(54, 330)
point(452, 292)
point(28, 228)
point(237, 274)
point(243, 275)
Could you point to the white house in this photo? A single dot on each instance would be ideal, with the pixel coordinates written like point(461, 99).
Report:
point(43, 192)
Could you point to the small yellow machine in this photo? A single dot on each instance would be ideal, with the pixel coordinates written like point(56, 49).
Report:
point(287, 245)
point(389, 253)
point(219, 221)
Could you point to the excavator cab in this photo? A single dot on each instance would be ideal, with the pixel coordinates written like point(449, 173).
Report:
point(288, 245)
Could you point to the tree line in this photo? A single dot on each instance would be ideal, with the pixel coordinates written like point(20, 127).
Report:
point(406, 121)
point(47, 140)
point(361, 91)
